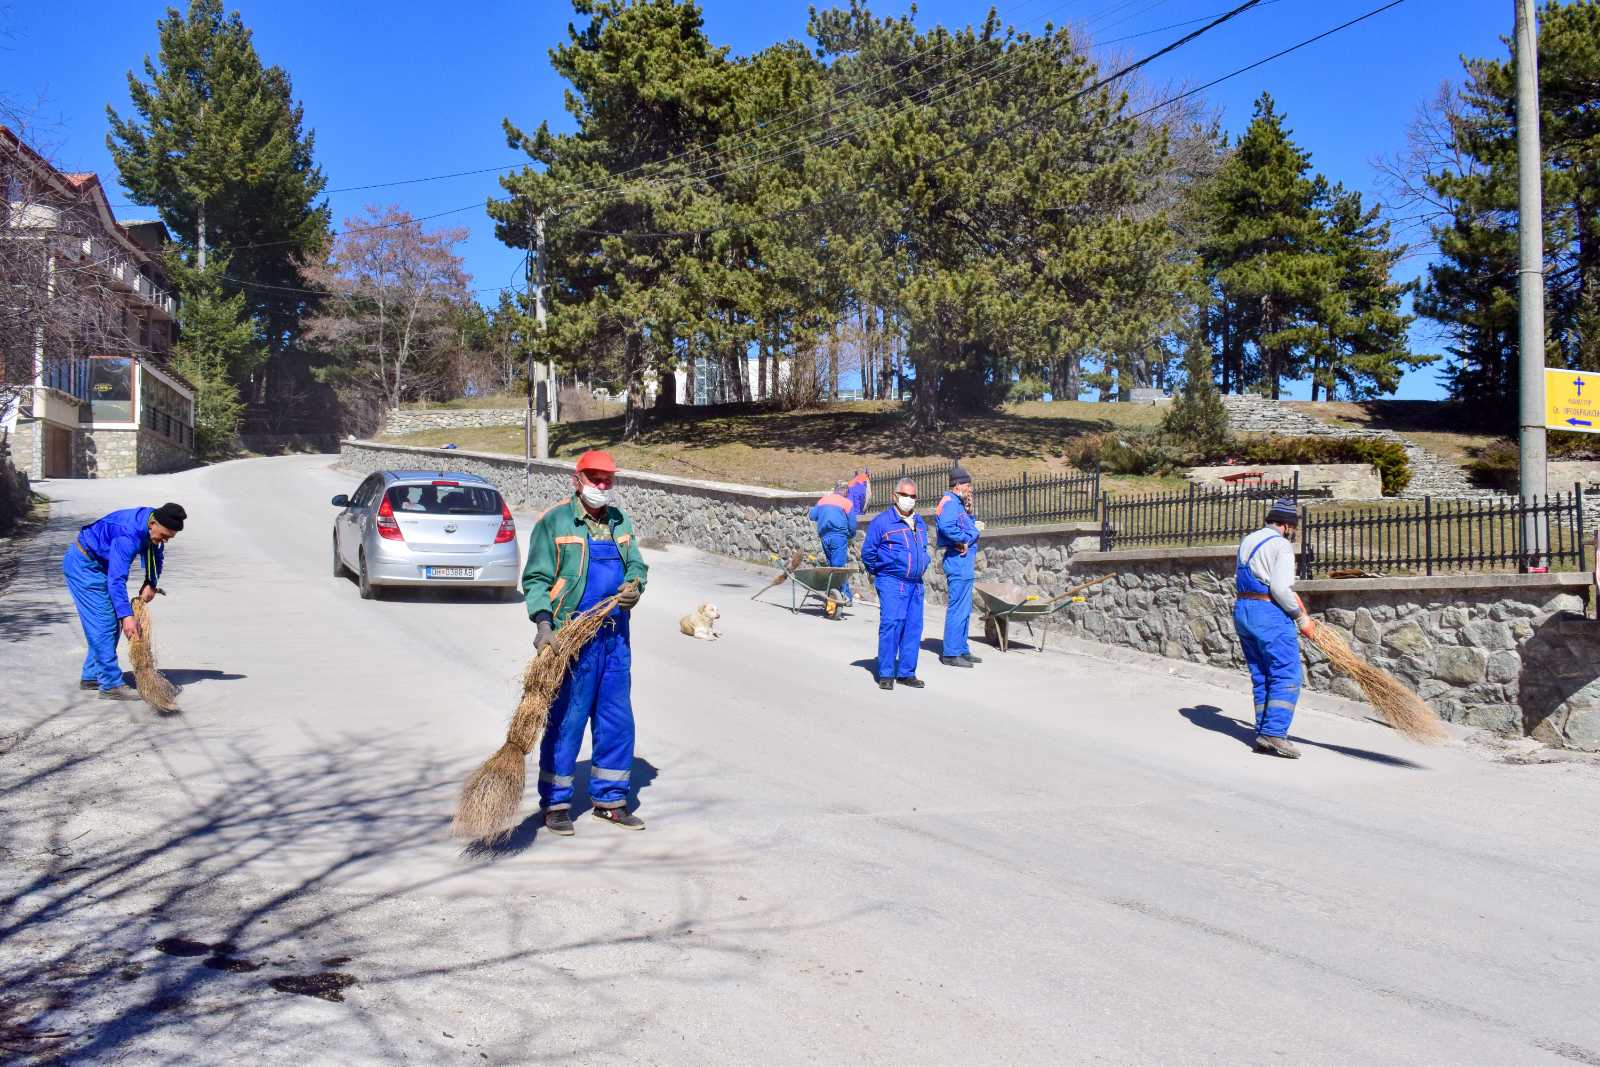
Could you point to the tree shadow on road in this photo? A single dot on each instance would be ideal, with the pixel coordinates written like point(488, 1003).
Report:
point(1212, 718)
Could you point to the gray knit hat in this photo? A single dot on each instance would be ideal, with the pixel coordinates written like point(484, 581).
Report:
point(959, 476)
point(1284, 509)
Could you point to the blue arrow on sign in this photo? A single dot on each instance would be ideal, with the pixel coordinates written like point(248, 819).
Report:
point(1579, 422)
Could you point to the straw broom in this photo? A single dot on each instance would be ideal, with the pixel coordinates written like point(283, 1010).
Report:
point(492, 794)
point(1399, 706)
point(794, 564)
point(153, 686)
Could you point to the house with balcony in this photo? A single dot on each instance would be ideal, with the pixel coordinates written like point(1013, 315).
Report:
point(91, 392)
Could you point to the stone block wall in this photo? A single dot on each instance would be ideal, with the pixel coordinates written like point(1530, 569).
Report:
point(111, 453)
point(1499, 651)
point(27, 447)
point(403, 421)
point(157, 455)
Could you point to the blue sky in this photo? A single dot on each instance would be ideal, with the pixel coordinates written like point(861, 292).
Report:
point(402, 89)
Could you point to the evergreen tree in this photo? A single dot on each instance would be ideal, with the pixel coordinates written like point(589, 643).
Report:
point(1472, 289)
point(216, 146)
point(1264, 255)
point(215, 337)
point(1197, 416)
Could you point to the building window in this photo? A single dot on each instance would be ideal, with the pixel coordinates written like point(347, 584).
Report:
point(111, 389)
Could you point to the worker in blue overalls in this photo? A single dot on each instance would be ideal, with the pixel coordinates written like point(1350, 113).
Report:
point(835, 516)
point(96, 568)
point(895, 553)
point(958, 534)
point(859, 490)
point(580, 552)
point(1266, 615)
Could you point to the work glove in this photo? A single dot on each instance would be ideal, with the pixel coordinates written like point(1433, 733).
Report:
point(979, 524)
point(629, 595)
point(543, 635)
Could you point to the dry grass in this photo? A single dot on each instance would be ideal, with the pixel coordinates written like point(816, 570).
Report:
point(489, 801)
point(153, 686)
point(810, 450)
point(1399, 706)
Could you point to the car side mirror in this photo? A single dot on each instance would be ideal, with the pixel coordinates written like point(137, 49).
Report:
point(341, 501)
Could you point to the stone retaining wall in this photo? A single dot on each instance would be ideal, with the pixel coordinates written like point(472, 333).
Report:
point(1497, 651)
point(403, 421)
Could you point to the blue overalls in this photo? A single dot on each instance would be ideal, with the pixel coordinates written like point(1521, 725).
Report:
point(955, 527)
point(896, 554)
point(835, 517)
point(1271, 651)
point(96, 568)
point(597, 688)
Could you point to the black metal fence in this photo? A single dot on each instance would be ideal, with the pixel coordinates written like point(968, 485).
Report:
point(932, 480)
point(1445, 535)
point(1192, 516)
point(1059, 498)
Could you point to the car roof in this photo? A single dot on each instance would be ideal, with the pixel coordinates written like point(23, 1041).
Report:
point(401, 477)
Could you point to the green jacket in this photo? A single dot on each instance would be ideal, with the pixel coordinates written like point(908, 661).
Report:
point(558, 559)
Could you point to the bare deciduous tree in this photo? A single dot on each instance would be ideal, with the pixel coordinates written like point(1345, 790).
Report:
point(389, 292)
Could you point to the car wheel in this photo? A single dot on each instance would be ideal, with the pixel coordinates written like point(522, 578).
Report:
point(339, 569)
point(368, 590)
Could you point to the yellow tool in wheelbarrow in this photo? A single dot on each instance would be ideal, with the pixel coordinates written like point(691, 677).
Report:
point(1001, 602)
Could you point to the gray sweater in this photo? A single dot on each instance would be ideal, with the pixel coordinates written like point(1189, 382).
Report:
point(1274, 565)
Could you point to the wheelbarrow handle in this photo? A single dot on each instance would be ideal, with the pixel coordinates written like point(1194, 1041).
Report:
point(1075, 590)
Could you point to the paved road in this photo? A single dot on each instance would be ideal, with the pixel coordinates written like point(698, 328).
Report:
point(1052, 859)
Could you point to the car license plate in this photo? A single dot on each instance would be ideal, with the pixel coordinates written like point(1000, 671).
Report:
point(448, 572)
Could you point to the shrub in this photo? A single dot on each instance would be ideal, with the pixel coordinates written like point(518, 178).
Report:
point(1197, 417)
point(1497, 466)
point(1394, 469)
point(1127, 453)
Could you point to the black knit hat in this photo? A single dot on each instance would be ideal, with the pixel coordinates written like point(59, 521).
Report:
point(959, 476)
point(1285, 510)
point(170, 515)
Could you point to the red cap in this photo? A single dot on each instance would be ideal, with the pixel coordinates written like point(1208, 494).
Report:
point(595, 460)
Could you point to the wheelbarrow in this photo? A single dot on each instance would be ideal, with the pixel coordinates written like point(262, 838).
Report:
point(1002, 602)
point(819, 583)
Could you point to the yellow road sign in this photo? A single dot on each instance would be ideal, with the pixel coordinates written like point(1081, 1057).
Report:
point(1571, 400)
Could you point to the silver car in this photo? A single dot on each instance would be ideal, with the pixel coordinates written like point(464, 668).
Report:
point(421, 528)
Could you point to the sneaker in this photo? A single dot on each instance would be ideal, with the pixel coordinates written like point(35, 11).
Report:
point(619, 817)
point(885, 683)
point(559, 822)
point(1277, 746)
point(88, 683)
point(970, 658)
point(954, 661)
point(914, 683)
point(121, 692)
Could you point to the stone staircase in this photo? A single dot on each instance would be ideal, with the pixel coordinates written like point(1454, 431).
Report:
point(1431, 475)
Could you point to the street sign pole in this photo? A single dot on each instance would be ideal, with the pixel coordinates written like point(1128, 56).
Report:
point(1530, 227)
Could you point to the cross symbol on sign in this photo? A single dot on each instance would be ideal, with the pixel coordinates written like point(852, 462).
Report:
point(1577, 383)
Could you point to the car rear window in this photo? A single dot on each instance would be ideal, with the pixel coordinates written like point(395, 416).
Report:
point(445, 499)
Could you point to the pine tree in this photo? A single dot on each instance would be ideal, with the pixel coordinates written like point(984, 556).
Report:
point(216, 336)
point(1472, 289)
point(216, 146)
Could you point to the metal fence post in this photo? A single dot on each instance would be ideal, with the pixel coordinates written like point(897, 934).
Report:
point(1105, 522)
point(1427, 534)
point(1188, 526)
point(1577, 506)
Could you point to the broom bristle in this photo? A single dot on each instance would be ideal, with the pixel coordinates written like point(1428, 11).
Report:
point(487, 808)
point(491, 796)
point(1399, 706)
point(154, 687)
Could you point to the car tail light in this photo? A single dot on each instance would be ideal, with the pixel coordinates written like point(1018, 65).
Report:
point(508, 529)
point(388, 528)
point(437, 482)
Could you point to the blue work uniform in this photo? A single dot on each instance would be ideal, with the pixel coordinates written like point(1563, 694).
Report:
point(1271, 648)
point(835, 517)
point(955, 527)
point(895, 553)
point(856, 493)
point(96, 567)
point(598, 689)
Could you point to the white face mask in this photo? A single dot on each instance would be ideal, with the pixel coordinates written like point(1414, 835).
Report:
point(594, 496)
point(906, 504)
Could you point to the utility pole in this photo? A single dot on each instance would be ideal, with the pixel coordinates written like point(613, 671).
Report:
point(547, 412)
point(1530, 276)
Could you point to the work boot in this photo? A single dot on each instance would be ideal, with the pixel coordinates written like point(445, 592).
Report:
point(914, 683)
point(619, 817)
point(559, 822)
point(885, 683)
point(88, 683)
point(1277, 746)
point(970, 658)
point(955, 661)
point(121, 692)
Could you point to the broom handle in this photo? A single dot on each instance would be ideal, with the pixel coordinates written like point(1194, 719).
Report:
point(1075, 590)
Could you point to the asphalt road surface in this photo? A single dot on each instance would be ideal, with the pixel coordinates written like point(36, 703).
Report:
point(1052, 858)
